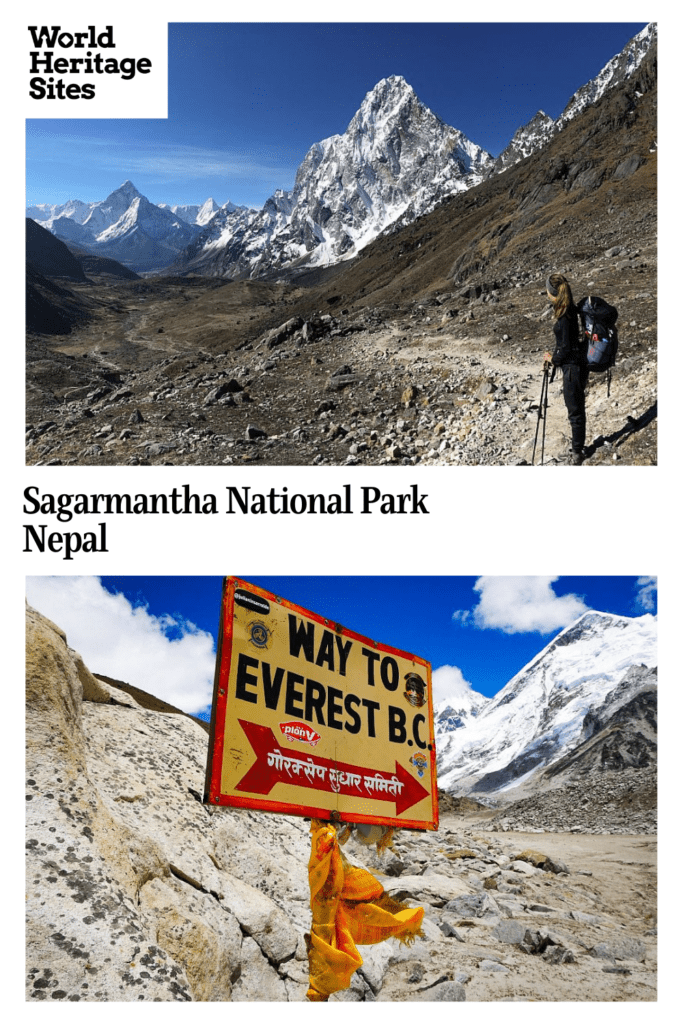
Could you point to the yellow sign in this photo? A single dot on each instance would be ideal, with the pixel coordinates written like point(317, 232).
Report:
point(311, 718)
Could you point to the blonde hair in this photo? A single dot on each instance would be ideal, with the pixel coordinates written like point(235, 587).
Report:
point(560, 294)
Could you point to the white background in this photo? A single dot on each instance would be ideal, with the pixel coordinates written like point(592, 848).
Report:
point(143, 95)
point(498, 521)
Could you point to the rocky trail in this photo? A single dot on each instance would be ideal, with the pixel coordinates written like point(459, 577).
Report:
point(454, 378)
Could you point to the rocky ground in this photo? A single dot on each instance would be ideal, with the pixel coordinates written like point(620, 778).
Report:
point(529, 916)
point(452, 379)
point(138, 891)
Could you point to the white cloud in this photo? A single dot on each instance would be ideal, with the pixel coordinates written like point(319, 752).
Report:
point(168, 162)
point(522, 604)
point(448, 681)
point(168, 657)
point(463, 615)
point(647, 593)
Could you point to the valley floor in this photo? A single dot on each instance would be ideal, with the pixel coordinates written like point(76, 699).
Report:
point(206, 373)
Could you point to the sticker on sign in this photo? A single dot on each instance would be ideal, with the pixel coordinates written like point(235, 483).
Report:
point(311, 718)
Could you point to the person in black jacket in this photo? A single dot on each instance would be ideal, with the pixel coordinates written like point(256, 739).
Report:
point(570, 356)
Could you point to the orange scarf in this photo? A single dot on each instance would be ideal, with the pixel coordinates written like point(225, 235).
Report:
point(348, 906)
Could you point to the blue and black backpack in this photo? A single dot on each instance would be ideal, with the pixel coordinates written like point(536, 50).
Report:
point(598, 321)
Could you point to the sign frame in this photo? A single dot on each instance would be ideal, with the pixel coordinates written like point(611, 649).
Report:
point(262, 740)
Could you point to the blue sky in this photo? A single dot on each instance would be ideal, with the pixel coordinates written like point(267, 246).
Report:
point(246, 101)
point(159, 632)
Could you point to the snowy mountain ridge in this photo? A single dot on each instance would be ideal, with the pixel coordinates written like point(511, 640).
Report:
point(540, 714)
point(396, 161)
point(100, 216)
point(453, 713)
point(617, 70)
point(541, 128)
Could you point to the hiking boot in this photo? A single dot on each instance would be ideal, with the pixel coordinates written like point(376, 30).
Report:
point(576, 458)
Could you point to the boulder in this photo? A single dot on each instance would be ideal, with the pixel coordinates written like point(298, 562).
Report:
point(625, 948)
point(446, 992)
point(433, 888)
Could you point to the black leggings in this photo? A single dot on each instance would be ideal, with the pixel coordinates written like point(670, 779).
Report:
point(574, 380)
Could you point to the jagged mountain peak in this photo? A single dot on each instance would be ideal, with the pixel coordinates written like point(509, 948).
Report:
point(539, 120)
point(457, 710)
point(526, 140)
point(156, 223)
point(127, 190)
point(621, 67)
point(386, 97)
point(391, 109)
point(538, 132)
point(600, 636)
point(591, 625)
point(390, 84)
point(125, 227)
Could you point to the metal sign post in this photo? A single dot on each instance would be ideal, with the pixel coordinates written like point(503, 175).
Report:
point(313, 719)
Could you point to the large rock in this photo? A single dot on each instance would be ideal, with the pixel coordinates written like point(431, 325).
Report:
point(131, 893)
point(430, 888)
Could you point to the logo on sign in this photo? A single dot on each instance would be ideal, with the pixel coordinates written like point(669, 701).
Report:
point(420, 763)
point(414, 691)
point(298, 731)
point(259, 634)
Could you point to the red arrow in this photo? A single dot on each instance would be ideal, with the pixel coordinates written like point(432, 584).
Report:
point(275, 763)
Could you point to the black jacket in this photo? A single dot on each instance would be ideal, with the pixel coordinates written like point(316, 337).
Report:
point(569, 344)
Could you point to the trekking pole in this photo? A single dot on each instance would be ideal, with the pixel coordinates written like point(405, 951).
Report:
point(542, 406)
point(545, 411)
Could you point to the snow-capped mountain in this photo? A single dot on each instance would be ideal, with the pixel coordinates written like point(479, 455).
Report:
point(457, 712)
point(195, 214)
point(546, 710)
point(125, 226)
point(395, 160)
point(144, 237)
point(141, 215)
point(621, 67)
point(526, 140)
point(44, 213)
point(107, 212)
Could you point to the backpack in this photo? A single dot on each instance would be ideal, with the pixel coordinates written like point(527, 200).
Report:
point(597, 320)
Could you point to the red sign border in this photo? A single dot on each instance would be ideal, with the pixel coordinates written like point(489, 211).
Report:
point(214, 765)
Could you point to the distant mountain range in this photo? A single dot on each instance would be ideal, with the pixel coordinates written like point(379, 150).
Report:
point(98, 217)
point(572, 702)
point(127, 227)
point(395, 162)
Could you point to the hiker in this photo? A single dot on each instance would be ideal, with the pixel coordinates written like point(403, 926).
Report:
point(570, 356)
